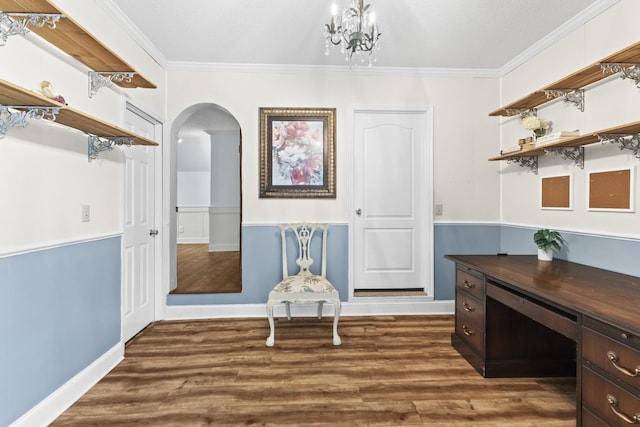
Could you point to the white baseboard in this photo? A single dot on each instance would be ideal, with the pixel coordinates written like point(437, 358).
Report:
point(384, 306)
point(224, 247)
point(45, 412)
point(192, 240)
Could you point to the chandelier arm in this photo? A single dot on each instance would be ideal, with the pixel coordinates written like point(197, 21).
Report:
point(354, 30)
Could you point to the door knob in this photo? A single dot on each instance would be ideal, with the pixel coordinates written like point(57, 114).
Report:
point(153, 232)
point(358, 211)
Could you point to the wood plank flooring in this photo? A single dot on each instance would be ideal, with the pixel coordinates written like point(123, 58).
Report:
point(204, 272)
point(389, 371)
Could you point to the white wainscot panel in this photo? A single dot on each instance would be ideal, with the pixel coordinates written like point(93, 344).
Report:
point(193, 224)
point(224, 223)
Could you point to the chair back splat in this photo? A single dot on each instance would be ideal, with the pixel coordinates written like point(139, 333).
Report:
point(304, 287)
point(304, 233)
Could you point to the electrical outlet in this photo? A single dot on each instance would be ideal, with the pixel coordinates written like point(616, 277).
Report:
point(438, 209)
point(181, 229)
point(86, 213)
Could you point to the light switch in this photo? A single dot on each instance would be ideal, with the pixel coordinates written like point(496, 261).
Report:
point(438, 209)
point(86, 213)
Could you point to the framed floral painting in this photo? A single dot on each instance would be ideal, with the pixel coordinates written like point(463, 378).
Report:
point(297, 152)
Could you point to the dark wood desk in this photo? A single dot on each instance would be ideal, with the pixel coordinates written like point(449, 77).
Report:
point(517, 316)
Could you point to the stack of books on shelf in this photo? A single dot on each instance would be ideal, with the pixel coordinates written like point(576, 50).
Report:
point(556, 136)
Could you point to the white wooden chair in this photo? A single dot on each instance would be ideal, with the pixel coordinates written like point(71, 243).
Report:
point(304, 287)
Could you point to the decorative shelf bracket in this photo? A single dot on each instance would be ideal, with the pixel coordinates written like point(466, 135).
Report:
point(626, 141)
point(10, 26)
point(530, 162)
point(523, 112)
point(98, 144)
point(100, 79)
point(576, 154)
point(572, 96)
point(627, 70)
point(20, 114)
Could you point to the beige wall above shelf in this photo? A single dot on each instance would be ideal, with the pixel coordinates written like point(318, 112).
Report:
point(73, 39)
point(578, 80)
point(12, 95)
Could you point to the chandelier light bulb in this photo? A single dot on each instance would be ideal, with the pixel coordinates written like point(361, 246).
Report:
point(355, 30)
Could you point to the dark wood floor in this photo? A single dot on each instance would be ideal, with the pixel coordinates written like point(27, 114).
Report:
point(390, 371)
point(204, 272)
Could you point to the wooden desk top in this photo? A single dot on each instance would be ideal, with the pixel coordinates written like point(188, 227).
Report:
point(604, 295)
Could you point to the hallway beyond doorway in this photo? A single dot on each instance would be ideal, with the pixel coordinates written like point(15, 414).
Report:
point(204, 272)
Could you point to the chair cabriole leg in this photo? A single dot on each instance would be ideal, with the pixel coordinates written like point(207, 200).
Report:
point(336, 317)
point(271, 339)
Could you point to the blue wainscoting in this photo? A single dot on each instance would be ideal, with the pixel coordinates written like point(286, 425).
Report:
point(262, 266)
point(261, 257)
point(607, 252)
point(459, 239)
point(59, 312)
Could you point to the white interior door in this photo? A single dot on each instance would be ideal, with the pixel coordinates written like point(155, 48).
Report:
point(139, 246)
point(392, 200)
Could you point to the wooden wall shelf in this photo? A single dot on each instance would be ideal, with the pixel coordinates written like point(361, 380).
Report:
point(627, 63)
point(578, 141)
point(578, 80)
point(72, 38)
point(13, 95)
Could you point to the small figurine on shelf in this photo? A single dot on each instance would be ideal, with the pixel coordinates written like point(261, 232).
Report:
point(46, 88)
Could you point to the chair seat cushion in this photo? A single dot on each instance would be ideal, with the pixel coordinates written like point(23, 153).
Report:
point(304, 284)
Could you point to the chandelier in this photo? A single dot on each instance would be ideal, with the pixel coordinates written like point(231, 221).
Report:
point(355, 30)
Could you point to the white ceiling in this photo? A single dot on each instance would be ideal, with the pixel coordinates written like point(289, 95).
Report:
point(426, 34)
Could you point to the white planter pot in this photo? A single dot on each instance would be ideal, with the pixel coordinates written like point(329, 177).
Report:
point(545, 255)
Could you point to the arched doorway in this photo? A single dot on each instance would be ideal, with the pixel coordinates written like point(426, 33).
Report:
point(205, 191)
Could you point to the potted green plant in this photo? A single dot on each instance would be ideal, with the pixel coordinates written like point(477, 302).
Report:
point(547, 241)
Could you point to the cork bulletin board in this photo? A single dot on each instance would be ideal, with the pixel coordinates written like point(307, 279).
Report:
point(555, 192)
point(611, 190)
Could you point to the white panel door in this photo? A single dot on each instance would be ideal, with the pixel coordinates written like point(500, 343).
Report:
point(391, 200)
point(138, 303)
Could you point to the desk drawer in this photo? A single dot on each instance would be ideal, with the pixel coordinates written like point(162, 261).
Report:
point(613, 357)
point(470, 333)
point(470, 307)
point(542, 314)
point(589, 419)
point(608, 400)
point(470, 281)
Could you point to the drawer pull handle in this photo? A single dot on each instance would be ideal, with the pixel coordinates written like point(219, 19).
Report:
point(613, 403)
point(467, 307)
point(468, 285)
point(468, 332)
point(614, 361)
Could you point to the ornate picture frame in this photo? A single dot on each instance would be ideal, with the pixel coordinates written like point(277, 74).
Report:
point(297, 152)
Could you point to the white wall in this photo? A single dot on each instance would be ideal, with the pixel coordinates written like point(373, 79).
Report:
point(225, 170)
point(464, 136)
point(194, 170)
point(224, 214)
point(45, 177)
point(609, 103)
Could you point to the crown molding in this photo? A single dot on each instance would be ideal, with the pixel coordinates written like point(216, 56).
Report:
point(331, 69)
point(138, 36)
point(553, 37)
point(571, 25)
